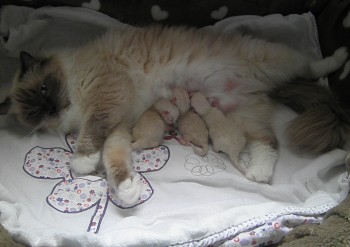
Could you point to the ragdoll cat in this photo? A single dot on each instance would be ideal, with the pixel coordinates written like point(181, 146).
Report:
point(103, 87)
point(149, 129)
point(192, 128)
point(225, 135)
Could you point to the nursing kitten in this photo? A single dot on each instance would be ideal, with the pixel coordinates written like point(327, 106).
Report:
point(149, 129)
point(225, 135)
point(103, 87)
point(193, 131)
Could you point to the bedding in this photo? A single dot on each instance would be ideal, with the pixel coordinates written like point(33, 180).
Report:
point(187, 200)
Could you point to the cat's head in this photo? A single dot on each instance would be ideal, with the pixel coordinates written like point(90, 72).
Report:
point(38, 93)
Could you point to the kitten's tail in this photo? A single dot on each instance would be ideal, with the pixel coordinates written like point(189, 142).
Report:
point(322, 124)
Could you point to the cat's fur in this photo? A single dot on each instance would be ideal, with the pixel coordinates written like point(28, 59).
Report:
point(225, 135)
point(102, 88)
point(192, 128)
point(149, 129)
point(319, 112)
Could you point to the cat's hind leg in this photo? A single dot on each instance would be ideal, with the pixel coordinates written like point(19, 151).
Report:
point(327, 65)
point(262, 145)
point(117, 161)
point(255, 120)
point(262, 162)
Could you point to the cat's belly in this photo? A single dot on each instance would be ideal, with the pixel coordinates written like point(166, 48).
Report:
point(224, 93)
point(224, 84)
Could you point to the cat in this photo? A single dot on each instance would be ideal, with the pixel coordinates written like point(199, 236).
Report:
point(225, 135)
point(149, 129)
point(101, 89)
point(192, 128)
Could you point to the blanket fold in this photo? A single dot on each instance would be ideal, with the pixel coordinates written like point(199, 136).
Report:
point(333, 231)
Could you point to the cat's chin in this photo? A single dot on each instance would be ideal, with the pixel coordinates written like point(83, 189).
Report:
point(54, 123)
point(60, 124)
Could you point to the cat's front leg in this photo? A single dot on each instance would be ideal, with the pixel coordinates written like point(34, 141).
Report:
point(89, 145)
point(117, 162)
point(84, 164)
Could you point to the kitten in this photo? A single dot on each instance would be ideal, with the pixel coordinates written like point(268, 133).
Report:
point(225, 135)
point(193, 131)
point(149, 129)
point(102, 88)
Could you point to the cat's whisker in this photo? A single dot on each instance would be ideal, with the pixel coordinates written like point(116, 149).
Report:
point(40, 126)
point(54, 131)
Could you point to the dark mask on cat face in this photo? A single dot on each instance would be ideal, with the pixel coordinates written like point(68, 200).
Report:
point(39, 93)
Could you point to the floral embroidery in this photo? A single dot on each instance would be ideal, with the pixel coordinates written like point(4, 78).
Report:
point(74, 195)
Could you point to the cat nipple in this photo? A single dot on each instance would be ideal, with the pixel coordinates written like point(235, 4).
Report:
point(214, 102)
point(230, 85)
point(225, 108)
point(228, 108)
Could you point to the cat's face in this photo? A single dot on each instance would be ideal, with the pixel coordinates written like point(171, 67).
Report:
point(39, 93)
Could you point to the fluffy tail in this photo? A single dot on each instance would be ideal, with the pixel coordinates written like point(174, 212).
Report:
point(322, 124)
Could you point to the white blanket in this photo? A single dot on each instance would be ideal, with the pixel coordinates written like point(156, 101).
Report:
point(186, 200)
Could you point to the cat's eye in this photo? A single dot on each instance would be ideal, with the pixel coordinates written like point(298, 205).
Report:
point(43, 89)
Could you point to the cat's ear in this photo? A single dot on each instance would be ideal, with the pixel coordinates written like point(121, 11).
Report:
point(27, 61)
point(5, 106)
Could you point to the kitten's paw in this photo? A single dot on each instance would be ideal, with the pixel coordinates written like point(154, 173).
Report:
point(129, 190)
point(340, 55)
point(82, 164)
point(259, 174)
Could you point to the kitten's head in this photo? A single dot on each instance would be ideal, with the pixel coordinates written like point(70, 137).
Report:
point(38, 93)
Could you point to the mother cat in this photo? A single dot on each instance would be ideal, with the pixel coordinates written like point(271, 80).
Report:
point(103, 87)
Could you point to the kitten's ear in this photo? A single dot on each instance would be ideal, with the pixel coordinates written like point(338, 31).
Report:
point(5, 106)
point(27, 61)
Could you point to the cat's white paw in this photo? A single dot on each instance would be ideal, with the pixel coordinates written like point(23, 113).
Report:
point(259, 173)
point(129, 190)
point(263, 160)
point(340, 55)
point(82, 164)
